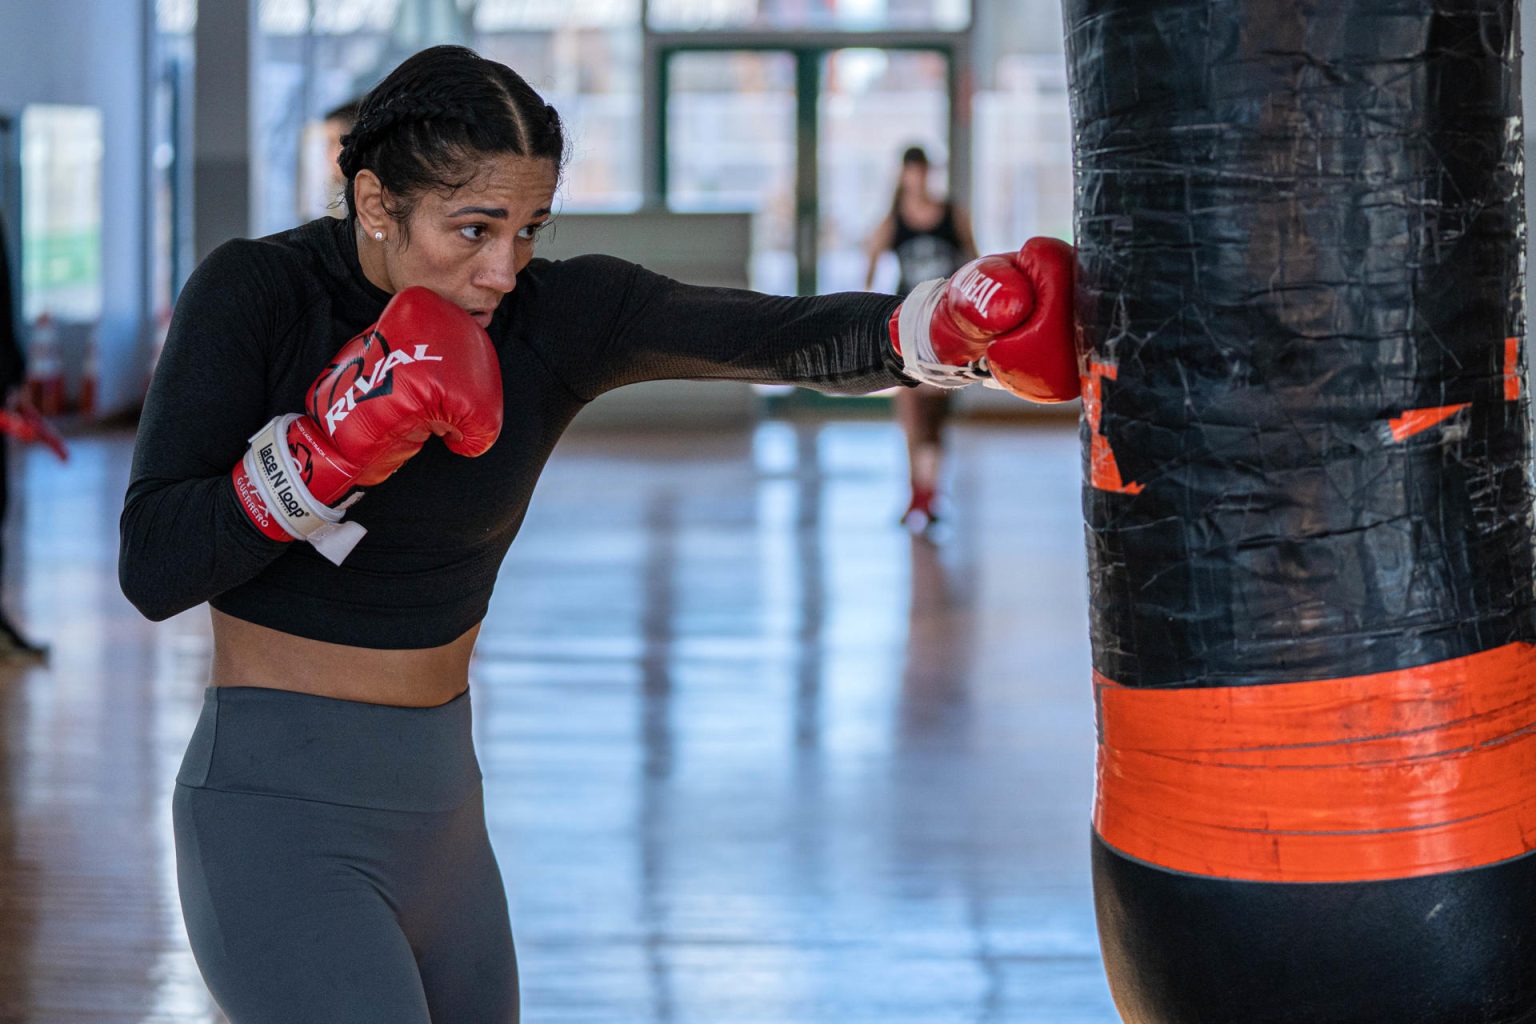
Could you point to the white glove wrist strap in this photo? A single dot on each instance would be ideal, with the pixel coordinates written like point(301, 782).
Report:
point(913, 327)
point(270, 466)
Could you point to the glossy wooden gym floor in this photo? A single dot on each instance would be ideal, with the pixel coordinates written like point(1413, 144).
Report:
point(751, 753)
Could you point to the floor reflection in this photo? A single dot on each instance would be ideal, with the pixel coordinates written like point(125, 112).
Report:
point(92, 931)
point(752, 753)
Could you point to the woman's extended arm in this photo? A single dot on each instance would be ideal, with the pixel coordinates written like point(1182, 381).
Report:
point(636, 325)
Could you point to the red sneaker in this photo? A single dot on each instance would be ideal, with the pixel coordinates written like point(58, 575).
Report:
point(919, 514)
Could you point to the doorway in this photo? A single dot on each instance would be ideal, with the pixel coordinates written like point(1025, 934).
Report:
point(808, 138)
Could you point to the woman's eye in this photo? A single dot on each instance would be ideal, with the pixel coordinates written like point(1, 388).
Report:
point(531, 231)
point(473, 232)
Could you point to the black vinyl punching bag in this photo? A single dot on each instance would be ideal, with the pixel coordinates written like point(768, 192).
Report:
point(1309, 504)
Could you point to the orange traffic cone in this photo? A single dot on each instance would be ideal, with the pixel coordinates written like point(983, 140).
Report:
point(45, 374)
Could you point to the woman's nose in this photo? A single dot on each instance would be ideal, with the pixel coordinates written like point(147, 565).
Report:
point(499, 272)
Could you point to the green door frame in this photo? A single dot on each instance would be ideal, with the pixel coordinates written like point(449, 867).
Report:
point(808, 49)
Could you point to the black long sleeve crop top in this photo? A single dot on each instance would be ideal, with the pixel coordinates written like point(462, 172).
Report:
point(259, 319)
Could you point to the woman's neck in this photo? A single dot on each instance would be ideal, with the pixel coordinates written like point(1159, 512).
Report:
point(370, 256)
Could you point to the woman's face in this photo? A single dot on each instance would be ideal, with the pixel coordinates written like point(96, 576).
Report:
point(914, 178)
point(467, 245)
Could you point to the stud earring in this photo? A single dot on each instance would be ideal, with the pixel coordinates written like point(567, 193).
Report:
point(378, 236)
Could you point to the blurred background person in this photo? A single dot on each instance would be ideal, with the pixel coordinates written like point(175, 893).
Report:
point(320, 179)
point(13, 374)
point(931, 237)
point(338, 122)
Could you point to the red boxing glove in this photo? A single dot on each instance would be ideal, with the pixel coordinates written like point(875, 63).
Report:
point(27, 425)
point(425, 368)
point(1005, 320)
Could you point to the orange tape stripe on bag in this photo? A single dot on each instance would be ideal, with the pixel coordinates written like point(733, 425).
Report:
point(1103, 471)
point(1414, 772)
point(1416, 421)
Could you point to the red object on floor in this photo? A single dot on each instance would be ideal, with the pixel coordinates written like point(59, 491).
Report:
point(30, 428)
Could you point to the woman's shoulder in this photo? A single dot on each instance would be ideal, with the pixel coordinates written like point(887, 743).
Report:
point(262, 285)
point(577, 297)
point(581, 284)
point(285, 268)
point(585, 268)
point(240, 261)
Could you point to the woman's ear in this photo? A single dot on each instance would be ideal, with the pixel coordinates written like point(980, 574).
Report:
point(368, 193)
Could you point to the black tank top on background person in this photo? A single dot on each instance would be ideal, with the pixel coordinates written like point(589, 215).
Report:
point(925, 255)
point(260, 319)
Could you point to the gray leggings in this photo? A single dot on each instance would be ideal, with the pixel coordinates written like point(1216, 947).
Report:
point(334, 865)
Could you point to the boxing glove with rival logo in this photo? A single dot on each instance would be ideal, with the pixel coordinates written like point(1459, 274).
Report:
point(425, 368)
point(1005, 320)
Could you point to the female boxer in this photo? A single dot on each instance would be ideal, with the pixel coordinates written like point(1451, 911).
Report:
point(931, 237)
point(331, 846)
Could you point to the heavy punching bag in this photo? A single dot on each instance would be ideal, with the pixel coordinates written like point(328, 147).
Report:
point(1309, 508)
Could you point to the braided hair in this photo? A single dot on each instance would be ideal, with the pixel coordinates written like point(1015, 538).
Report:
point(426, 126)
